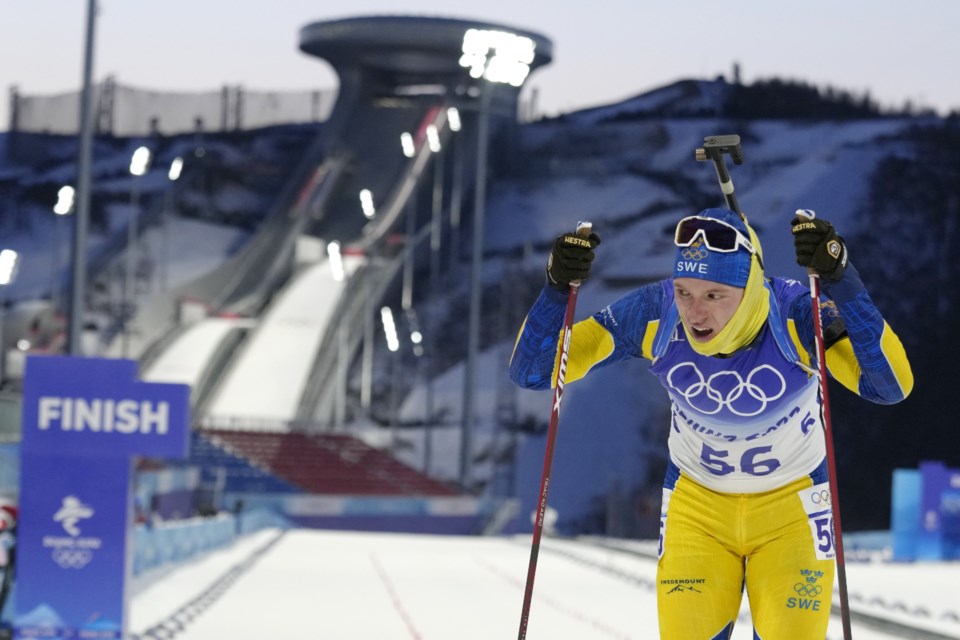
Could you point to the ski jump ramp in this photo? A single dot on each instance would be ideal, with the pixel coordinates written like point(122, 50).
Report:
point(268, 374)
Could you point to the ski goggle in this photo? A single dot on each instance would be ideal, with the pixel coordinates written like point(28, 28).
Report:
point(716, 235)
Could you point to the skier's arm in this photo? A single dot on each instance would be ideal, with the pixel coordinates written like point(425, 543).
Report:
point(613, 334)
point(532, 361)
point(863, 353)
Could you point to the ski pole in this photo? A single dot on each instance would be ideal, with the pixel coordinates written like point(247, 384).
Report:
point(583, 230)
point(828, 437)
point(713, 149)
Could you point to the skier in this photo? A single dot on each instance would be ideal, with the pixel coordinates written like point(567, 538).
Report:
point(746, 499)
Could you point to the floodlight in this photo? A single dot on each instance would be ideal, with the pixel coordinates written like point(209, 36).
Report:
point(406, 141)
point(389, 329)
point(336, 260)
point(64, 200)
point(433, 138)
point(497, 56)
point(140, 161)
point(8, 265)
point(176, 167)
point(453, 118)
point(366, 201)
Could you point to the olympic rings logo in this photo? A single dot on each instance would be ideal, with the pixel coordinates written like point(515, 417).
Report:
point(704, 396)
point(808, 590)
point(694, 252)
point(821, 497)
point(829, 309)
point(72, 558)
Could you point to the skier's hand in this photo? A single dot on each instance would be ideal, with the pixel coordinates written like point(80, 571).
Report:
point(818, 246)
point(570, 259)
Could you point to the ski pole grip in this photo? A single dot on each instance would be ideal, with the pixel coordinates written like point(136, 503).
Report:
point(584, 229)
point(808, 214)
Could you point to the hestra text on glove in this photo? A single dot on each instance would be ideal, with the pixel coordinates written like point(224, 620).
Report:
point(570, 259)
point(818, 247)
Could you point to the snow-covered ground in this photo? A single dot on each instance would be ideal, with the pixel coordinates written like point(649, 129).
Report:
point(375, 586)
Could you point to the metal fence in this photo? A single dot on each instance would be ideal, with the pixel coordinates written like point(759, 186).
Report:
point(122, 110)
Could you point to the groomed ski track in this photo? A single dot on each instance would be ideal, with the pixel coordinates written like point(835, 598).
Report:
point(375, 586)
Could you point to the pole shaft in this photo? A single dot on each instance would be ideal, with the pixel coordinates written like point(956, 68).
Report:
point(366, 369)
point(436, 233)
point(831, 458)
point(476, 286)
point(82, 216)
point(548, 458)
point(129, 282)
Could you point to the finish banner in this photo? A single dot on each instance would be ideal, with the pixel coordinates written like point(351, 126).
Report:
point(83, 420)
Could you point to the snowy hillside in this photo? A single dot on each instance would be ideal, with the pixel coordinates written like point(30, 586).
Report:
point(633, 180)
point(629, 168)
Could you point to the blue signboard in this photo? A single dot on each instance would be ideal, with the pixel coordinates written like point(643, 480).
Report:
point(71, 566)
point(98, 407)
point(83, 419)
point(926, 513)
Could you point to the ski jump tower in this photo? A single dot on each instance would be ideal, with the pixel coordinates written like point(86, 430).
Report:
point(398, 57)
point(394, 72)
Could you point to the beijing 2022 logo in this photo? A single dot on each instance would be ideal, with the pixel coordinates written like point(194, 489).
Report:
point(741, 396)
point(72, 551)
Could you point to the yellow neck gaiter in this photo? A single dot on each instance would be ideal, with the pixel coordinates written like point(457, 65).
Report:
point(748, 319)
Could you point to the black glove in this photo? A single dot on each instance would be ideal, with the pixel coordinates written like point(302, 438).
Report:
point(819, 247)
point(570, 259)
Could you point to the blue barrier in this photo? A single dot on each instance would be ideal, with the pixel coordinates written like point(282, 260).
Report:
point(180, 540)
point(925, 515)
point(457, 515)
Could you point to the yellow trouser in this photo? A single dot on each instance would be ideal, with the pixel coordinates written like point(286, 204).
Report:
point(777, 543)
